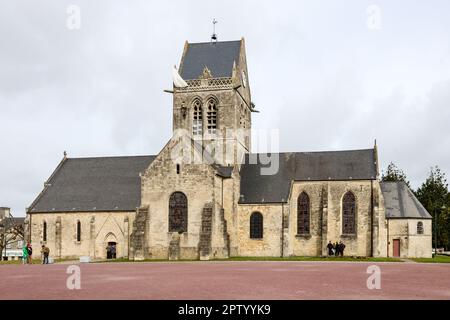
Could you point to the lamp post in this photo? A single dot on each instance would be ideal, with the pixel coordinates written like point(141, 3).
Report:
point(443, 208)
point(2, 239)
point(435, 232)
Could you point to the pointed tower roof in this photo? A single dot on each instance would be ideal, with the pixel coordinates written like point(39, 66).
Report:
point(218, 57)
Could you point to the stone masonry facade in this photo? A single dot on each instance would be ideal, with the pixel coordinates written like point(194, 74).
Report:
point(203, 199)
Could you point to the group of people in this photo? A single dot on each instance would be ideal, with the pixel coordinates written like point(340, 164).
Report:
point(111, 251)
point(336, 249)
point(27, 254)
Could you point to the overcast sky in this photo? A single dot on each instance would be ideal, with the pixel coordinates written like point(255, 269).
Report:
point(329, 76)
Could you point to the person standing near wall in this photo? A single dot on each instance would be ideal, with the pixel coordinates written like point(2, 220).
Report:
point(330, 248)
point(337, 249)
point(45, 252)
point(25, 255)
point(30, 253)
point(341, 248)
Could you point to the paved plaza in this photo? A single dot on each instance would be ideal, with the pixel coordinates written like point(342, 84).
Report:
point(227, 280)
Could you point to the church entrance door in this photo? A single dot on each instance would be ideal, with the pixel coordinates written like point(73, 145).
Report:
point(111, 250)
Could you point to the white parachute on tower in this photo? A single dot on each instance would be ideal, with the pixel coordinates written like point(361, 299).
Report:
point(177, 79)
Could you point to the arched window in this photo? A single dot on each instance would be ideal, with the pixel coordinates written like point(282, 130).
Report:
point(197, 118)
point(211, 115)
point(78, 231)
point(256, 226)
point(349, 213)
point(420, 227)
point(44, 231)
point(303, 210)
point(178, 212)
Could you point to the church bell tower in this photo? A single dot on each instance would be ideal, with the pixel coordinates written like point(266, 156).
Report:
point(213, 106)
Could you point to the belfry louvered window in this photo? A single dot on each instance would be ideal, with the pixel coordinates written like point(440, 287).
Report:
point(256, 226)
point(178, 212)
point(303, 213)
point(211, 115)
point(197, 118)
point(349, 213)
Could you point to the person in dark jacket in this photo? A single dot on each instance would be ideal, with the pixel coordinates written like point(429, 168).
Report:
point(336, 249)
point(108, 252)
point(330, 248)
point(45, 253)
point(30, 253)
point(341, 248)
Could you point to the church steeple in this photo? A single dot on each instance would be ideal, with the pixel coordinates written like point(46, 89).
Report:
point(215, 107)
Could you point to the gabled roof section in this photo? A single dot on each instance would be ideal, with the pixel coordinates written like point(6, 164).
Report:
point(12, 222)
point(400, 201)
point(257, 187)
point(93, 184)
point(218, 57)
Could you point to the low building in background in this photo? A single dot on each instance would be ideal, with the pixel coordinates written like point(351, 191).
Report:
point(11, 235)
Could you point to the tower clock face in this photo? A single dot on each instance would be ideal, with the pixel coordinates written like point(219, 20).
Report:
point(244, 79)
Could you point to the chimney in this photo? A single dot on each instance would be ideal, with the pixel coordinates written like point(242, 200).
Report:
point(5, 212)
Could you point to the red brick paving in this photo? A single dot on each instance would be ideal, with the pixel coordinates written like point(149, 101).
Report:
point(227, 280)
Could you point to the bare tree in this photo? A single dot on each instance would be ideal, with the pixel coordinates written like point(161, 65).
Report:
point(10, 233)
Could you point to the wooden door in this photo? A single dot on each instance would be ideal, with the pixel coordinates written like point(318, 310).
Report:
point(396, 248)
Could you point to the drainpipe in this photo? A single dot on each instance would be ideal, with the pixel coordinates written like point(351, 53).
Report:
point(435, 232)
point(4, 245)
point(29, 229)
point(371, 218)
point(282, 229)
point(222, 193)
point(387, 242)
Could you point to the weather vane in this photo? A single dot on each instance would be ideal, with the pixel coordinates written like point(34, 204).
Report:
point(214, 35)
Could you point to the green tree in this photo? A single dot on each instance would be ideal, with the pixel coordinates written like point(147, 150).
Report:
point(433, 194)
point(393, 173)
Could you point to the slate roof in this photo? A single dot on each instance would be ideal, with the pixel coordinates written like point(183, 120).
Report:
point(93, 184)
point(113, 183)
point(224, 171)
point(257, 187)
point(218, 57)
point(400, 202)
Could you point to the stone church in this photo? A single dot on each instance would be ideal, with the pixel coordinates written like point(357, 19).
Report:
point(206, 196)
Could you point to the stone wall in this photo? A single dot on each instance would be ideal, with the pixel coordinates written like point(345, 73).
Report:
point(231, 193)
point(200, 185)
point(412, 244)
point(380, 223)
point(270, 244)
point(325, 222)
point(229, 143)
point(97, 229)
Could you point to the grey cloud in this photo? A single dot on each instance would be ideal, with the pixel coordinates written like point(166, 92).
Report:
point(316, 72)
